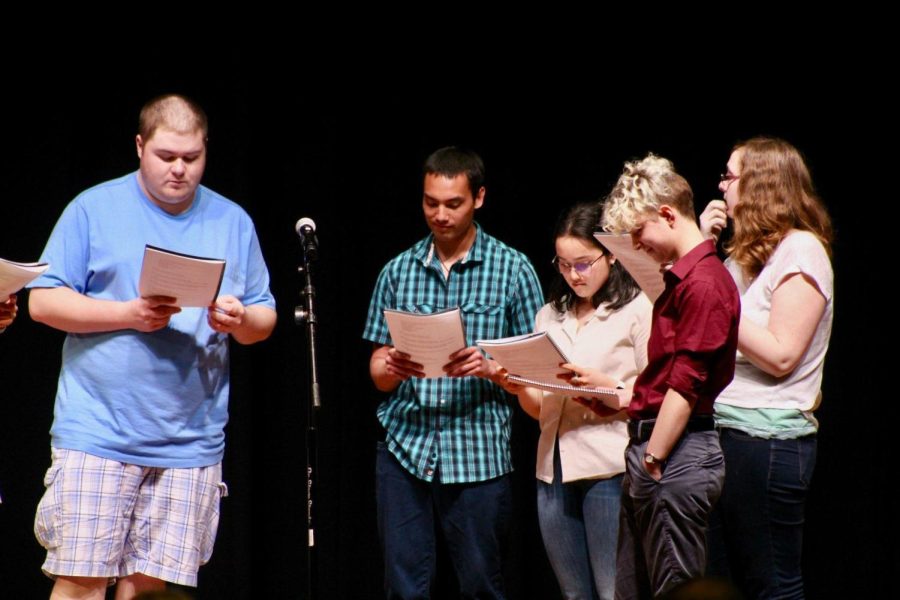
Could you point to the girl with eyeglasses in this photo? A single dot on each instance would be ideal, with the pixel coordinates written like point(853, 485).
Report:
point(600, 319)
point(779, 257)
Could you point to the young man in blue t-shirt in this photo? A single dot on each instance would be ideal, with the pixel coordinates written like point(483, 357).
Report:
point(137, 438)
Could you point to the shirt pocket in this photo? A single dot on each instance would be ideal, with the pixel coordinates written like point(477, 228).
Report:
point(424, 309)
point(483, 321)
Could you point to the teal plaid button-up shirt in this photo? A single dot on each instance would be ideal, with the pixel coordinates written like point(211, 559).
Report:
point(457, 428)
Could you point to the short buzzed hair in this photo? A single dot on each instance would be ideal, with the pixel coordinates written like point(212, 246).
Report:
point(172, 111)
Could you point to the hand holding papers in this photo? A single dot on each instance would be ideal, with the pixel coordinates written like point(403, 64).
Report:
point(14, 276)
point(8, 310)
point(428, 339)
point(534, 360)
point(191, 280)
point(640, 265)
point(533, 356)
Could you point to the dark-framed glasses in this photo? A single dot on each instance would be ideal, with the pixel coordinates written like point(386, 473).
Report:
point(728, 178)
point(582, 268)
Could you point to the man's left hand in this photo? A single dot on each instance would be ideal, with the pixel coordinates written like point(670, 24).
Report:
point(226, 315)
point(470, 362)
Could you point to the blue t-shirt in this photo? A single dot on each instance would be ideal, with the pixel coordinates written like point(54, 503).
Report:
point(155, 399)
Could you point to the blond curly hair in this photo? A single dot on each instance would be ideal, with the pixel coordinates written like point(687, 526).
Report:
point(643, 187)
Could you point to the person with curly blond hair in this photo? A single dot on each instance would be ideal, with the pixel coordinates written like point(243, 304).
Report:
point(674, 465)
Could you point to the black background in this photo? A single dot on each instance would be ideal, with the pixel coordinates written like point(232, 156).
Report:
point(343, 144)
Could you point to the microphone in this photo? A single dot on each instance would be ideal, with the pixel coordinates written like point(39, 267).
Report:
point(306, 229)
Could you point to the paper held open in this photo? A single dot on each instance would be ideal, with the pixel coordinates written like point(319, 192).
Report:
point(640, 265)
point(15, 275)
point(191, 280)
point(533, 355)
point(428, 338)
point(533, 360)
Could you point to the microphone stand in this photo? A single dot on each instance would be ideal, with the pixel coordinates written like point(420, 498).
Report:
point(305, 315)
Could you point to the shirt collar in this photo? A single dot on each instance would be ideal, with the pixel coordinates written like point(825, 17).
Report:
point(425, 250)
point(683, 265)
point(601, 312)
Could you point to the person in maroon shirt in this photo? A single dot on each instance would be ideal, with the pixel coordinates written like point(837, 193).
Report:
point(674, 465)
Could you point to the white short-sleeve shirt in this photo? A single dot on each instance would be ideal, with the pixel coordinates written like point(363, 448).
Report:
point(798, 252)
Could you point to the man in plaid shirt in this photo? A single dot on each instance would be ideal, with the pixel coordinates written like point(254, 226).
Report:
point(445, 459)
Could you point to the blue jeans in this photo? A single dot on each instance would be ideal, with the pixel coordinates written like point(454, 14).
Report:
point(474, 518)
point(756, 533)
point(580, 525)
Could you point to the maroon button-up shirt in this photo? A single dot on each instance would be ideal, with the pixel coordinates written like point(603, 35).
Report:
point(694, 335)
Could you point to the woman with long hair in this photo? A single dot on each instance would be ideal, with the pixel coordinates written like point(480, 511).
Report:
point(779, 257)
point(600, 319)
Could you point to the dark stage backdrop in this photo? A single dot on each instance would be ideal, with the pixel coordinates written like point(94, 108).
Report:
point(350, 159)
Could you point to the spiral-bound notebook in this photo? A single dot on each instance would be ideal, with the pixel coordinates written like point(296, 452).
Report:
point(533, 355)
point(533, 360)
point(568, 390)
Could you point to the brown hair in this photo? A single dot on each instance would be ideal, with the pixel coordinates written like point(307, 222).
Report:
point(580, 222)
point(776, 195)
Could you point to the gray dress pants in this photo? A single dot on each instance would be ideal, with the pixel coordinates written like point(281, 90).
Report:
point(663, 524)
